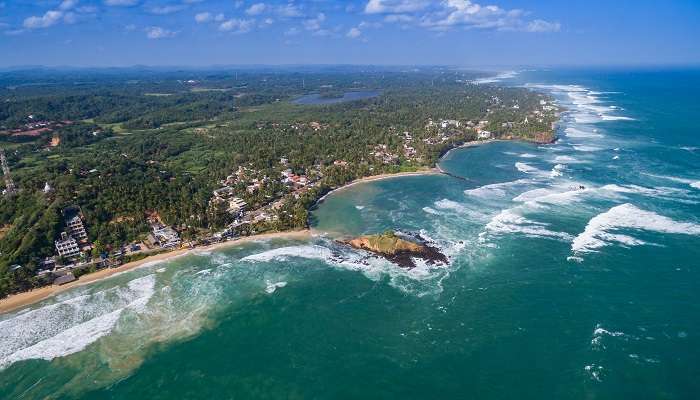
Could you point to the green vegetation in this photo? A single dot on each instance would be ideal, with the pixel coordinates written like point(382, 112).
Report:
point(128, 153)
point(386, 243)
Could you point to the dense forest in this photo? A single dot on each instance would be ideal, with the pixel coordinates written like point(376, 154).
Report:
point(124, 144)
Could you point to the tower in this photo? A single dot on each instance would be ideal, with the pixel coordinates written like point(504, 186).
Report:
point(9, 185)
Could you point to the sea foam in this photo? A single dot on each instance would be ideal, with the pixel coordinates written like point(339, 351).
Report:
point(600, 230)
point(64, 328)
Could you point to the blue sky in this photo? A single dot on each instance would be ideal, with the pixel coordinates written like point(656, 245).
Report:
point(396, 32)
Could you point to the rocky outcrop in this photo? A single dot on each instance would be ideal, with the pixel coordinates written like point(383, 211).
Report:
point(398, 249)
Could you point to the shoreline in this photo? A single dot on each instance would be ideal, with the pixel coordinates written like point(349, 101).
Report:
point(436, 170)
point(19, 300)
point(372, 178)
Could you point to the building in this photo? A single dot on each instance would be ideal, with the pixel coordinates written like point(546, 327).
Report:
point(236, 205)
point(165, 236)
point(67, 246)
point(76, 228)
point(63, 279)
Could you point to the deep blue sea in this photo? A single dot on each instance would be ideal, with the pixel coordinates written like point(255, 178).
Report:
point(574, 273)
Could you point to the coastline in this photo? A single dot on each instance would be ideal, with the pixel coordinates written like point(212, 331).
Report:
point(19, 300)
point(371, 178)
point(436, 170)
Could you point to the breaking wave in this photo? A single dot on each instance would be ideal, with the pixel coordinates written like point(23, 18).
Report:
point(69, 326)
point(602, 230)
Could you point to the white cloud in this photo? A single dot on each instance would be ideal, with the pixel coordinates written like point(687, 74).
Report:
point(67, 5)
point(450, 14)
point(202, 17)
point(290, 10)
point(219, 17)
point(45, 21)
point(354, 33)
point(398, 18)
point(156, 32)
point(539, 25)
point(314, 24)
point(120, 3)
point(395, 6)
point(87, 9)
point(237, 25)
point(256, 9)
point(169, 9)
point(291, 31)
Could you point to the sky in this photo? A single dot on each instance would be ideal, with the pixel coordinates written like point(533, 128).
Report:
point(380, 32)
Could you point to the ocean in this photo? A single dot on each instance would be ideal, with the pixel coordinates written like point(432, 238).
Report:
point(574, 273)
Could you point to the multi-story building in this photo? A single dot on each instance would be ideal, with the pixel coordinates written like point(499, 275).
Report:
point(75, 228)
point(67, 246)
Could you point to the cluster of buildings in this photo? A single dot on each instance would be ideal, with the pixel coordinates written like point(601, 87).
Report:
point(383, 154)
point(227, 195)
point(289, 178)
point(163, 236)
point(74, 239)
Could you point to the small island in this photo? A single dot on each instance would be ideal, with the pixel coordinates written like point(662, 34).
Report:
point(398, 249)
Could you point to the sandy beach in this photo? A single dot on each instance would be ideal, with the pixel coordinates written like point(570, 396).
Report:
point(20, 300)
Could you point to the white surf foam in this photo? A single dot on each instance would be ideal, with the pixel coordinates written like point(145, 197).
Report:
point(586, 148)
point(566, 160)
point(559, 195)
point(496, 78)
point(507, 222)
point(69, 326)
point(599, 231)
point(494, 190)
point(430, 211)
point(273, 286)
point(580, 133)
point(691, 182)
point(557, 171)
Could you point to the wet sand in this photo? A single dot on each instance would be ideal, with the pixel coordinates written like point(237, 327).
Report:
point(20, 300)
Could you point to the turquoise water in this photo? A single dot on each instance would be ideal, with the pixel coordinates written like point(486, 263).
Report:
point(574, 274)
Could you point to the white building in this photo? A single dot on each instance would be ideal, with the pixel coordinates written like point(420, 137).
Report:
point(166, 236)
point(67, 246)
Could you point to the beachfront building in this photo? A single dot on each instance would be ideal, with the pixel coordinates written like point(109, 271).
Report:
point(66, 246)
point(164, 236)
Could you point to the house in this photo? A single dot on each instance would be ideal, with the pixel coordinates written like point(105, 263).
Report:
point(67, 246)
point(484, 135)
point(63, 279)
point(165, 236)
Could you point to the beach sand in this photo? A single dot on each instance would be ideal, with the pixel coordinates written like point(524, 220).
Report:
point(20, 300)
